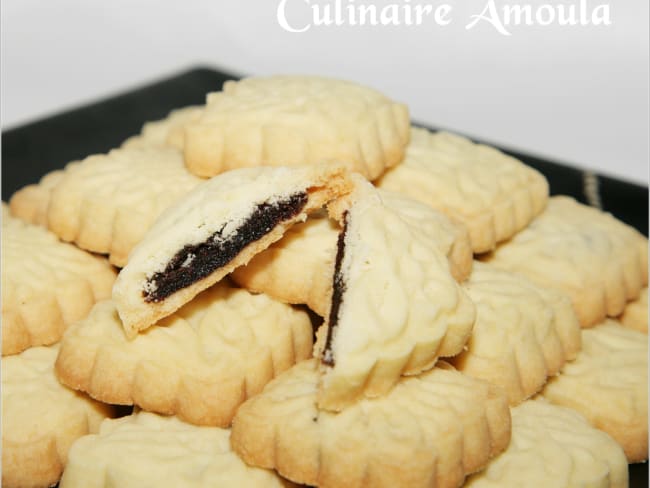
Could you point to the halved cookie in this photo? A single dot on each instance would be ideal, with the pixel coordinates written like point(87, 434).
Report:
point(149, 450)
point(493, 194)
point(395, 306)
point(299, 267)
point(46, 284)
point(523, 332)
point(430, 430)
point(199, 363)
point(608, 384)
point(296, 120)
point(554, 446)
point(220, 225)
point(599, 261)
point(41, 419)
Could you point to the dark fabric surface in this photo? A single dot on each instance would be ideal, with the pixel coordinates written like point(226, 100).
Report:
point(30, 151)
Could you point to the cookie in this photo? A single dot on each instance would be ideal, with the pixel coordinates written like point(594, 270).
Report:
point(554, 446)
point(40, 419)
point(214, 229)
point(493, 194)
point(149, 450)
point(299, 267)
point(608, 384)
point(430, 430)
point(199, 363)
point(166, 132)
point(46, 284)
point(395, 306)
point(296, 120)
point(599, 261)
point(635, 314)
point(106, 203)
point(523, 333)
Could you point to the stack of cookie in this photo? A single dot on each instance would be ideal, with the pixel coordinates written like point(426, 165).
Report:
point(314, 292)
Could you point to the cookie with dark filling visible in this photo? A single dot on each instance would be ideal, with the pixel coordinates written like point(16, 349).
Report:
point(395, 306)
point(222, 224)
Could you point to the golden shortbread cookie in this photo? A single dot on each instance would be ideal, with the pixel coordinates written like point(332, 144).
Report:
point(635, 314)
point(199, 363)
point(599, 261)
point(554, 446)
point(149, 450)
point(220, 225)
point(493, 194)
point(523, 332)
point(296, 120)
point(166, 132)
point(41, 419)
point(395, 306)
point(608, 384)
point(429, 431)
point(46, 284)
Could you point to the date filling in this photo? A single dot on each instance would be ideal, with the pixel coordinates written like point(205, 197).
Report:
point(338, 289)
point(196, 261)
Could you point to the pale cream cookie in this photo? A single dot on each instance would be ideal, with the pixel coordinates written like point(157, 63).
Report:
point(222, 224)
point(149, 450)
point(555, 447)
point(41, 419)
point(46, 284)
point(493, 194)
point(106, 203)
point(608, 384)
point(523, 332)
point(299, 267)
point(599, 261)
point(635, 314)
point(395, 306)
point(429, 431)
point(168, 131)
point(199, 363)
point(296, 120)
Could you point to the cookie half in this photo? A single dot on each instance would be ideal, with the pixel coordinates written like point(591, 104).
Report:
point(217, 227)
point(608, 384)
point(46, 284)
point(299, 267)
point(599, 261)
point(430, 430)
point(493, 194)
point(41, 419)
point(296, 120)
point(395, 306)
point(635, 314)
point(199, 363)
point(523, 332)
point(149, 450)
point(554, 446)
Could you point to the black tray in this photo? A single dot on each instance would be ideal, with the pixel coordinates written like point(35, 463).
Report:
point(30, 151)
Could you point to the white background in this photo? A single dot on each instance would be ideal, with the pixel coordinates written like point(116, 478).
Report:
point(577, 94)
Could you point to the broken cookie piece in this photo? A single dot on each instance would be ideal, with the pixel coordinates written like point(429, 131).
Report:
point(217, 227)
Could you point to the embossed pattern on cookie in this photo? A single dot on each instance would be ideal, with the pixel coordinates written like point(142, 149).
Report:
point(46, 284)
point(608, 384)
point(430, 430)
point(395, 306)
point(214, 229)
point(131, 452)
point(493, 194)
point(554, 446)
point(523, 333)
point(41, 419)
point(599, 261)
point(296, 120)
point(199, 363)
